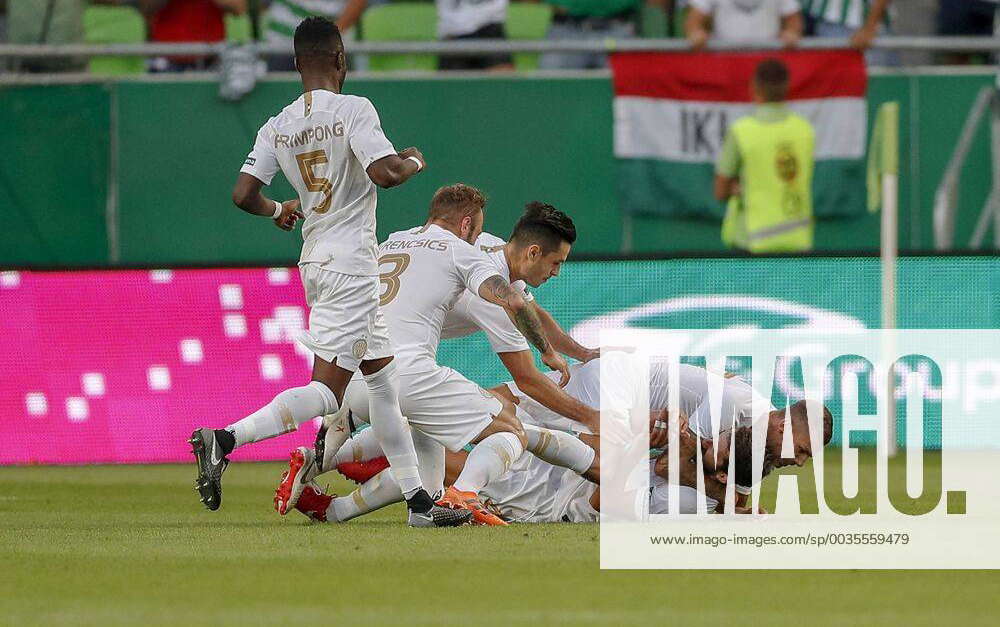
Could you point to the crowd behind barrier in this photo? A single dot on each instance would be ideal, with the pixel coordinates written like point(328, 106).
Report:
point(698, 23)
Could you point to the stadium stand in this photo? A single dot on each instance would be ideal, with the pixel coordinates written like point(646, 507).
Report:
point(238, 28)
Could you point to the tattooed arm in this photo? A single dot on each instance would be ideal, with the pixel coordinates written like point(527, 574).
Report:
point(561, 340)
point(496, 290)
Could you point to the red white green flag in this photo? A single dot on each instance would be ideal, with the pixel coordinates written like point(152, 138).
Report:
point(672, 111)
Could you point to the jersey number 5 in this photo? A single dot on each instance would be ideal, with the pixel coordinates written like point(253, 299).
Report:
point(390, 279)
point(307, 161)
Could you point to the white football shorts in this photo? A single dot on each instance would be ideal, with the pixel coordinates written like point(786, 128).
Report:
point(436, 400)
point(345, 321)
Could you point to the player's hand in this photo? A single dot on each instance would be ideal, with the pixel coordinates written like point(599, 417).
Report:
point(658, 428)
point(413, 152)
point(555, 361)
point(290, 214)
point(589, 354)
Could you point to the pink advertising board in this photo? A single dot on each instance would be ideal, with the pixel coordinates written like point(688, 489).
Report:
point(121, 366)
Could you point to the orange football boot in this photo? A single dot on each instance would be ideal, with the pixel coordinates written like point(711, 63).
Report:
point(455, 499)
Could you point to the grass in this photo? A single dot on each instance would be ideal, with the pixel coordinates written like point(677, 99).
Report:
point(128, 545)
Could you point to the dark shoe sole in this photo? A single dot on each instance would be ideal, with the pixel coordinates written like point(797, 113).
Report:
point(210, 490)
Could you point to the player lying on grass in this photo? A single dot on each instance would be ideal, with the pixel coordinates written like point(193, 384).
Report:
point(533, 490)
point(734, 407)
point(524, 491)
point(332, 149)
point(428, 268)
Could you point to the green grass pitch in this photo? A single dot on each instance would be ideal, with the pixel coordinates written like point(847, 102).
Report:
point(132, 545)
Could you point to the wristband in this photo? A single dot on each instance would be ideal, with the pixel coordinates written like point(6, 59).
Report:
point(277, 210)
point(420, 164)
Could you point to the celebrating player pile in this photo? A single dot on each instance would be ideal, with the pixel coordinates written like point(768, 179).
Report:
point(332, 149)
point(426, 270)
point(536, 491)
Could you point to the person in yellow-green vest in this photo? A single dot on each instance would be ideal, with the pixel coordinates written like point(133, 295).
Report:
point(765, 171)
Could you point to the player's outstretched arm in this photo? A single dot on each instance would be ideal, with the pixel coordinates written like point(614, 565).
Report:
point(521, 365)
point(396, 169)
point(561, 340)
point(498, 291)
point(247, 196)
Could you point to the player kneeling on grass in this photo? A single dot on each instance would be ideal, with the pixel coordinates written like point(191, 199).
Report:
point(533, 491)
point(426, 270)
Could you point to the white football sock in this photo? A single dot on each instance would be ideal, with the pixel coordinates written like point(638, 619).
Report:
point(391, 429)
point(338, 429)
point(376, 493)
point(491, 458)
point(430, 457)
point(285, 413)
point(559, 448)
point(362, 447)
point(382, 489)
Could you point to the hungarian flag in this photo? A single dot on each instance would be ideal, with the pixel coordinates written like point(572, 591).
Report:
point(672, 111)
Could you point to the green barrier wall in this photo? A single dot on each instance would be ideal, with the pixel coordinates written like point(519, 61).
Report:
point(179, 148)
point(53, 175)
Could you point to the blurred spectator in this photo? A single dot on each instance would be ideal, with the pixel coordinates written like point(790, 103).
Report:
point(473, 19)
point(765, 171)
point(589, 19)
point(743, 19)
point(47, 22)
point(284, 15)
point(859, 20)
point(175, 21)
point(965, 17)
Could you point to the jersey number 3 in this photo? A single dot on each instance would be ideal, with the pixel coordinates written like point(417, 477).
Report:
point(390, 279)
point(307, 161)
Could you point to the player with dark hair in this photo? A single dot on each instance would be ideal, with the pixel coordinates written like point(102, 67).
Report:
point(425, 270)
point(332, 149)
point(539, 244)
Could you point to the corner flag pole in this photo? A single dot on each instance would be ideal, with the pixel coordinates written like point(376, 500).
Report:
point(883, 189)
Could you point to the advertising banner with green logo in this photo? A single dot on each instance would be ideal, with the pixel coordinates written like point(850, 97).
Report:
point(933, 293)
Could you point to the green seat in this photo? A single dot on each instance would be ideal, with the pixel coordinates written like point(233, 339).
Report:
point(527, 21)
point(406, 21)
point(238, 29)
point(114, 25)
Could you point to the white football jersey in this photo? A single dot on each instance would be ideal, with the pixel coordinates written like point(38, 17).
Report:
point(471, 313)
point(688, 501)
point(731, 398)
point(493, 247)
point(424, 271)
point(704, 393)
point(324, 143)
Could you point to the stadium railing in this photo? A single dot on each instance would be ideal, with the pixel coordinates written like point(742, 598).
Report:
point(488, 46)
